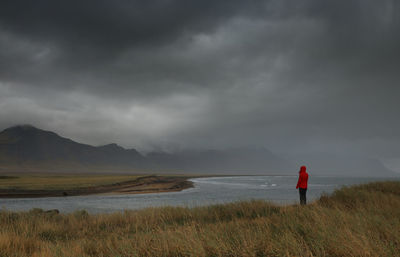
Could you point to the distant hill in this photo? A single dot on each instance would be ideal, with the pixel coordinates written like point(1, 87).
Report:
point(235, 161)
point(341, 165)
point(26, 148)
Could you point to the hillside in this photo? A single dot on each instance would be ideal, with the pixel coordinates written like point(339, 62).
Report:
point(27, 145)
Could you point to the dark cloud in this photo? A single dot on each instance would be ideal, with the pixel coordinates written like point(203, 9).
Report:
point(121, 24)
point(289, 75)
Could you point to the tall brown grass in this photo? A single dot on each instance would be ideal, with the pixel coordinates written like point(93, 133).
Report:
point(354, 221)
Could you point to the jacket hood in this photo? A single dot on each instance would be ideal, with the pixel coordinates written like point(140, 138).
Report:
point(302, 169)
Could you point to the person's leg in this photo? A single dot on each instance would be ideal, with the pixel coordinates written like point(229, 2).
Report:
point(302, 196)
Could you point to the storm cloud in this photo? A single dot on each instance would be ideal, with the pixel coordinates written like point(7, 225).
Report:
point(293, 76)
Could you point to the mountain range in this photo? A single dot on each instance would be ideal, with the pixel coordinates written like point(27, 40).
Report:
point(26, 148)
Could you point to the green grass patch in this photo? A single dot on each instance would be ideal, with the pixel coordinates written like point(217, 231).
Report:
point(60, 182)
point(8, 177)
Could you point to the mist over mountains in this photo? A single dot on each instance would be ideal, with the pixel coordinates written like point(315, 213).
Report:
point(26, 148)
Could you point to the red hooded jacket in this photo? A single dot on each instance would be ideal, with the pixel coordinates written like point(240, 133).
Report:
point(303, 178)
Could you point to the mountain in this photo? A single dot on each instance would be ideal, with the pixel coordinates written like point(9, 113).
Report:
point(234, 161)
point(344, 165)
point(26, 148)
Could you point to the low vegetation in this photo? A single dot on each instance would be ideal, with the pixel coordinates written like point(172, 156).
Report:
point(59, 182)
point(27, 186)
point(354, 221)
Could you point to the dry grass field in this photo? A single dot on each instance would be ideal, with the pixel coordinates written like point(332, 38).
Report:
point(353, 221)
point(46, 185)
point(59, 182)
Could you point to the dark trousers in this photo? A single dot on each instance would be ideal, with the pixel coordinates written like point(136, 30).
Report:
point(303, 199)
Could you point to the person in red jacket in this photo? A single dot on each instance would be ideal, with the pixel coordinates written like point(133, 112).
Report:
point(302, 184)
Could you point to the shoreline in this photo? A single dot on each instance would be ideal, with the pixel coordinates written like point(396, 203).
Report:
point(141, 185)
point(350, 222)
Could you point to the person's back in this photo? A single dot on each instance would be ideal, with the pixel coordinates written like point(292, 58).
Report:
point(302, 184)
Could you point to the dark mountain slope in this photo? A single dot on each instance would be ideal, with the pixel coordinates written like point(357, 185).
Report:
point(26, 143)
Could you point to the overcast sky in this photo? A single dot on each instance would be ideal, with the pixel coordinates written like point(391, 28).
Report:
point(293, 76)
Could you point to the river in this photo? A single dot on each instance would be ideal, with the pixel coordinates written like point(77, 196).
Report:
point(210, 190)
